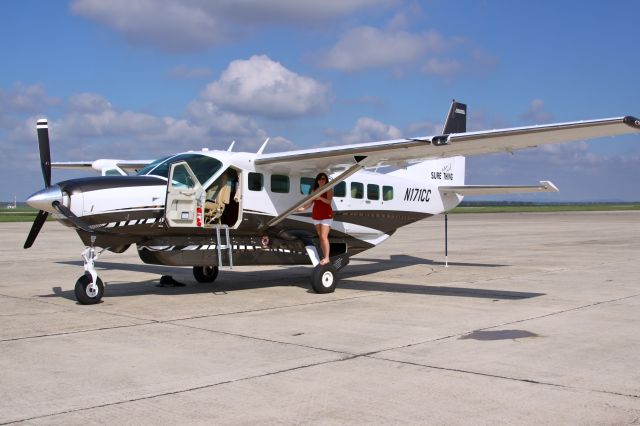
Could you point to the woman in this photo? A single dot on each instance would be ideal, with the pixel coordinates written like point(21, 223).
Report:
point(322, 215)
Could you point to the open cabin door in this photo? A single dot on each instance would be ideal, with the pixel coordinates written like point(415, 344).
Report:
point(184, 193)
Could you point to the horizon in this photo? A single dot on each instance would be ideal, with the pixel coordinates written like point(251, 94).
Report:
point(165, 77)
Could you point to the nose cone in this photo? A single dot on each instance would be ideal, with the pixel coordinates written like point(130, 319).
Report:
point(42, 200)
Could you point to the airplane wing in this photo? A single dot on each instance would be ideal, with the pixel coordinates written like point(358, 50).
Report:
point(545, 186)
point(102, 165)
point(402, 152)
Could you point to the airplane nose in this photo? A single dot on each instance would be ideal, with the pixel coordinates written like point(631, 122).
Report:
point(42, 200)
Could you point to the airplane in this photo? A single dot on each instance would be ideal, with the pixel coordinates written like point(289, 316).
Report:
point(211, 209)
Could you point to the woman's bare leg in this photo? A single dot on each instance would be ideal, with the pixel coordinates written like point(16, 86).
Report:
point(323, 233)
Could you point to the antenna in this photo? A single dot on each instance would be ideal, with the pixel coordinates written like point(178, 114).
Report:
point(264, 145)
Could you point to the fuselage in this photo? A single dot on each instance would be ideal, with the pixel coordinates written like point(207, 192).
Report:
point(140, 209)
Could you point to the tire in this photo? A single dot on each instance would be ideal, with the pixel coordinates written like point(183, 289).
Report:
point(324, 279)
point(83, 294)
point(205, 274)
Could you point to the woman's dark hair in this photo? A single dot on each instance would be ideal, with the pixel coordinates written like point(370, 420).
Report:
point(316, 185)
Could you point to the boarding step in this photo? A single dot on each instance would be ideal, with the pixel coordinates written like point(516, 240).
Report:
point(224, 230)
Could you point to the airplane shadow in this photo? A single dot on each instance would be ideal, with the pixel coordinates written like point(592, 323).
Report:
point(298, 276)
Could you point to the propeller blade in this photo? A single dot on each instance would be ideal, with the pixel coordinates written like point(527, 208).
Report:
point(45, 153)
point(77, 222)
point(35, 228)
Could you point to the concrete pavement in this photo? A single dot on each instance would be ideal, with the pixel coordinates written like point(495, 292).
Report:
point(535, 321)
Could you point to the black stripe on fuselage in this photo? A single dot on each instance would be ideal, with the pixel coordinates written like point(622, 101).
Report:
point(96, 183)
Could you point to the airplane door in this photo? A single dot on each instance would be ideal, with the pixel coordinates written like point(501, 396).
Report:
point(184, 193)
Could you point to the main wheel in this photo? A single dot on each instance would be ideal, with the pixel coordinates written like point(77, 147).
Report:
point(205, 274)
point(87, 294)
point(324, 278)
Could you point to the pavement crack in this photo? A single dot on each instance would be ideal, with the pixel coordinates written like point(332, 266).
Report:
point(65, 333)
point(146, 321)
point(273, 308)
point(185, 390)
point(498, 376)
point(262, 339)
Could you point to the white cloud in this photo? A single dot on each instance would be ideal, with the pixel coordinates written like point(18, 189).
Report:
point(368, 47)
point(402, 51)
point(537, 113)
point(88, 102)
point(443, 67)
point(292, 11)
point(425, 128)
point(188, 25)
point(265, 87)
point(172, 25)
point(21, 98)
point(207, 114)
point(366, 129)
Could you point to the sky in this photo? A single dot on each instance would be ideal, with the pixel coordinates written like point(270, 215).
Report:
point(141, 79)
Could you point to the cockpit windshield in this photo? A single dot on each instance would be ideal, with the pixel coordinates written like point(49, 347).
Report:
point(203, 167)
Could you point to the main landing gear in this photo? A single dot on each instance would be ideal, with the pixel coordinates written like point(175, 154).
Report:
point(324, 278)
point(205, 274)
point(89, 287)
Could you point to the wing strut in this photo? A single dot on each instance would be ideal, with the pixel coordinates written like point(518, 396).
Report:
point(306, 200)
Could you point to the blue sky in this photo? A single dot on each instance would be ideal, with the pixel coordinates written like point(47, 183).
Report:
point(142, 79)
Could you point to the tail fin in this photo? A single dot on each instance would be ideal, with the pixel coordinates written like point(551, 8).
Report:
point(457, 119)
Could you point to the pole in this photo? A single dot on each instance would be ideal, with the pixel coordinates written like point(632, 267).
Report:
point(446, 242)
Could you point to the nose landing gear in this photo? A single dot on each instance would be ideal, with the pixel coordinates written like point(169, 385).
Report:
point(89, 287)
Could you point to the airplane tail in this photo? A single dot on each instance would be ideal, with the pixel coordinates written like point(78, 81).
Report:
point(445, 171)
point(456, 119)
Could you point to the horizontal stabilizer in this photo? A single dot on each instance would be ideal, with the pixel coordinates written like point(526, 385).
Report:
point(545, 186)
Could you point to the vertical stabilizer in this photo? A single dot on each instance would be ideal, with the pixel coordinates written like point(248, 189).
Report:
point(457, 119)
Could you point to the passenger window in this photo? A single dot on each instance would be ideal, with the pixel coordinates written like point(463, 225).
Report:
point(255, 181)
point(387, 193)
point(373, 192)
point(357, 190)
point(340, 190)
point(306, 185)
point(280, 183)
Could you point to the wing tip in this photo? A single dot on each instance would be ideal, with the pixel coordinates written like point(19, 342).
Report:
point(548, 186)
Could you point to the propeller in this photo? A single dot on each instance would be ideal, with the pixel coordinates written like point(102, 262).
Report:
point(50, 195)
point(42, 128)
point(35, 228)
point(45, 153)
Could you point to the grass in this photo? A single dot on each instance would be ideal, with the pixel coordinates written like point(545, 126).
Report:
point(547, 208)
point(19, 214)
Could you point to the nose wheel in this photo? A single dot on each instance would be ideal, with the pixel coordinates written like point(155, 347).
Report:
point(89, 287)
point(87, 291)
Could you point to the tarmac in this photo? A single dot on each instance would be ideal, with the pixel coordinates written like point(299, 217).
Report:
point(535, 320)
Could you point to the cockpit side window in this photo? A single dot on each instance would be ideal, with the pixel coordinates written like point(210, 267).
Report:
point(149, 167)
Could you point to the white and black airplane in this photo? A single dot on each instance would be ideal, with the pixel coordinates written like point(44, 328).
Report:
point(210, 209)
